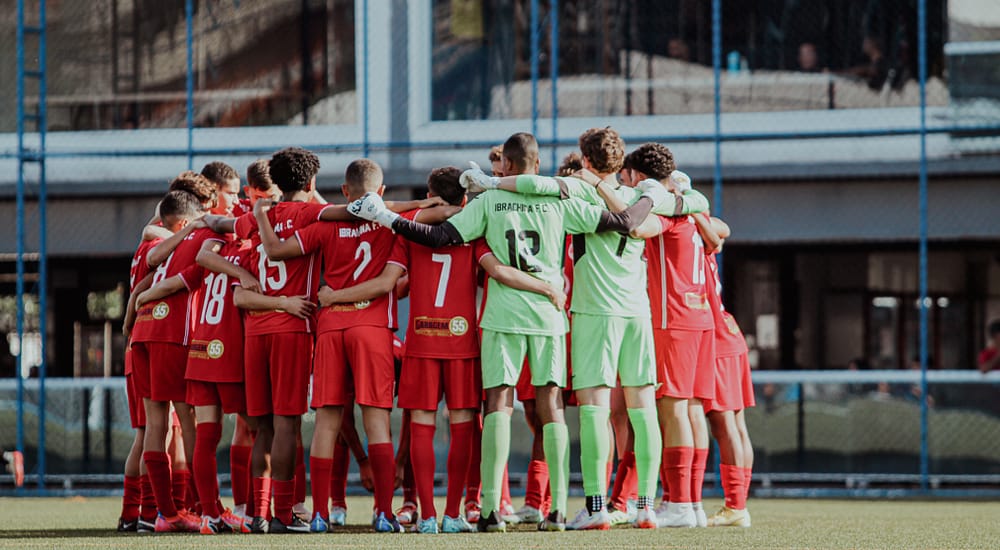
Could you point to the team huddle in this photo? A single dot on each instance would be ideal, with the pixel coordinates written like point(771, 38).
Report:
point(596, 288)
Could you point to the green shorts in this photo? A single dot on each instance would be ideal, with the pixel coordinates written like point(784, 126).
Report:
point(607, 349)
point(503, 355)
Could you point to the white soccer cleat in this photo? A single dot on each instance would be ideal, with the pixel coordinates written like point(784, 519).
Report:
point(508, 515)
point(586, 520)
point(699, 515)
point(645, 519)
point(677, 515)
point(301, 511)
point(529, 514)
point(729, 517)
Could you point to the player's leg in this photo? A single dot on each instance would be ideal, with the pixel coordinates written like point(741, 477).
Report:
point(260, 470)
point(463, 394)
point(727, 435)
point(704, 390)
point(538, 471)
point(420, 389)
point(328, 397)
point(208, 433)
point(290, 363)
point(622, 505)
point(677, 354)
point(637, 371)
point(407, 513)
point(239, 466)
point(474, 486)
point(547, 357)
point(155, 456)
point(300, 509)
point(184, 483)
point(257, 382)
point(741, 426)
point(128, 520)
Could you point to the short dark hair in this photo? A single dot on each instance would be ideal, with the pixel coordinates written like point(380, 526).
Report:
point(259, 176)
point(444, 183)
point(521, 151)
point(292, 168)
point(653, 159)
point(219, 172)
point(604, 148)
point(363, 175)
point(197, 185)
point(573, 162)
point(180, 204)
point(994, 328)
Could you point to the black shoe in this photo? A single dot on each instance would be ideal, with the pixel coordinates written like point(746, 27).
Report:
point(296, 526)
point(555, 521)
point(128, 526)
point(143, 526)
point(491, 524)
point(259, 525)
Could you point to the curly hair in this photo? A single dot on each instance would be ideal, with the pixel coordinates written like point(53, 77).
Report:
point(652, 159)
point(444, 183)
point(219, 172)
point(604, 148)
point(198, 185)
point(293, 168)
point(572, 163)
point(259, 176)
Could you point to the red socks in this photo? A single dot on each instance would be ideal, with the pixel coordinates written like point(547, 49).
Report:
point(179, 480)
point(147, 507)
point(207, 436)
point(732, 485)
point(505, 493)
point(698, 464)
point(338, 474)
point(284, 494)
point(300, 474)
point(131, 498)
point(679, 460)
point(474, 477)
point(239, 474)
point(262, 497)
point(422, 460)
point(626, 482)
point(538, 480)
point(158, 467)
point(409, 486)
point(747, 478)
point(458, 466)
point(384, 466)
point(321, 469)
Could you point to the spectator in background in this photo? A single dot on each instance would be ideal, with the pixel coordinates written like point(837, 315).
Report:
point(808, 58)
point(989, 358)
point(876, 71)
point(677, 48)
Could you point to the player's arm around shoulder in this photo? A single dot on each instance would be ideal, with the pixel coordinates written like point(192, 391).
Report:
point(275, 248)
point(517, 279)
point(298, 306)
point(381, 285)
point(209, 258)
point(164, 288)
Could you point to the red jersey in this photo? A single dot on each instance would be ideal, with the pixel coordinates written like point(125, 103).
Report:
point(216, 352)
point(443, 284)
point(294, 277)
point(352, 253)
point(675, 268)
point(242, 207)
point(137, 272)
point(171, 319)
point(729, 339)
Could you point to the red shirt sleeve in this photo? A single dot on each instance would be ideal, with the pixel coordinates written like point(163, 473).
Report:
point(245, 226)
point(311, 238)
point(480, 249)
point(192, 276)
point(400, 254)
point(667, 224)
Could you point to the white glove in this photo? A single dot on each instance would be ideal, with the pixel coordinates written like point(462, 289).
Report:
point(474, 179)
point(681, 180)
point(370, 207)
point(654, 190)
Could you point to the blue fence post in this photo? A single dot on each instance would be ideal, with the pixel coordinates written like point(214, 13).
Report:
point(554, 77)
point(534, 67)
point(43, 262)
point(20, 225)
point(924, 301)
point(717, 97)
point(189, 25)
point(366, 138)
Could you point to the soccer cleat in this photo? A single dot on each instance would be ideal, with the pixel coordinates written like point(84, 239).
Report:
point(240, 511)
point(632, 509)
point(259, 526)
point(15, 465)
point(662, 508)
point(301, 511)
point(618, 517)
point(183, 522)
point(586, 520)
point(338, 516)
point(729, 517)
point(508, 515)
point(529, 514)
point(383, 524)
point(553, 522)
point(296, 526)
point(700, 519)
point(407, 514)
point(645, 518)
point(233, 522)
point(143, 526)
point(491, 524)
point(211, 526)
point(125, 526)
point(456, 525)
point(747, 512)
point(428, 526)
point(677, 515)
point(319, 525)
point(472, 511)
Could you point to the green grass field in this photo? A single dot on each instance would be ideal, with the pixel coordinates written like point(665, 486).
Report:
point(89, 523)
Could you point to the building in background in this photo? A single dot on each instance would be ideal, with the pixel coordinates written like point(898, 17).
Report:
point(822, 266)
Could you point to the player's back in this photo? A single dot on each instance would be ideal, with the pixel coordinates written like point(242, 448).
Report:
point(140, 265)
point(218, 323)
point(729, 338)
point(676, 277)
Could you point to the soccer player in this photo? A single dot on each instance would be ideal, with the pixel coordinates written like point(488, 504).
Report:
point(159, 354)
point(442, 346)
point(683, 332)
point(612, 332)
point(524, 232)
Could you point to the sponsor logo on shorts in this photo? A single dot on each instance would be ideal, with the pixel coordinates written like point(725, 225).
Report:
point(437, 326)
point(161, 310)
point(215, 349)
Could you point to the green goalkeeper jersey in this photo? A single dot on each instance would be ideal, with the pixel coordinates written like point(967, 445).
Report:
point(609, 270)
point(526, 232)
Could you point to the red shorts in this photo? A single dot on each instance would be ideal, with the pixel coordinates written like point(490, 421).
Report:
point(746, 382)
point(228, 395)
point(525, 391)
point(728, 388)
point(685, 363)
point(424, 380)
point(136, 408)
point(158, 368)
point(140, 372)
point(363, 353)
point(276, 373)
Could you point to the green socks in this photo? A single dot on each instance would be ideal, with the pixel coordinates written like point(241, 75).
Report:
point(556, 441)
point(595, 446)
point(496, 453)
point(648, 448)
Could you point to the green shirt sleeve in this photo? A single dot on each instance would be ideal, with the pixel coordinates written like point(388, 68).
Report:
point(693, 203)
point(529, 184)
point(471, 221)
point(580, 217)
